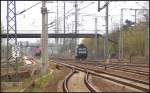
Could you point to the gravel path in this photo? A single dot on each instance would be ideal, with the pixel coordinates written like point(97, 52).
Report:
point(76, 83)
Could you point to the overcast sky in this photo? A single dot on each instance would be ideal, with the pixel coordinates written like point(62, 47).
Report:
point(30, 21)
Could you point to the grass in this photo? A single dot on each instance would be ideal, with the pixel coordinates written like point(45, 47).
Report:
point(44, 79)
point(43, 83)
point(12, 89)
point(40, 83)
point(35, 89)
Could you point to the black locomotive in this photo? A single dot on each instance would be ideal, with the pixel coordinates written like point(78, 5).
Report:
point(81, 52)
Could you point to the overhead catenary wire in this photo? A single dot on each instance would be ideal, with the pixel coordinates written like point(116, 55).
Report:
point(62, 16)
point(86, 6)
point(81, 9)
point(66, 13)
point(71, 13)
point(28, 8)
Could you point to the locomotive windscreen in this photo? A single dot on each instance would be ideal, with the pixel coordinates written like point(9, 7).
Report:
point(82, 50)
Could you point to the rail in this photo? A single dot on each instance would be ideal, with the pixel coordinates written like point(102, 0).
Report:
point(89, 86)
point(136, 84)
point(65, 83)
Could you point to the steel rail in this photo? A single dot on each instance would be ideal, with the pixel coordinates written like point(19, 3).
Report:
point(125, 81)
point(115, 75)
point(121, 68)
point(65, 83)
point(130, 70)
point(89, 86)
point(116, 63)
point(112, 66)
point(113, 63)
point(87, 83)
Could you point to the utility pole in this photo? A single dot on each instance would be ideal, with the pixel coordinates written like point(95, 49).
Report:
point(57, 25)
point(120, 36)
point(104, 46)
point(44, 37)
point(73, 39)
point(64, 27)
point(106, 35)
point(21, 48)
point(147, 35)
point(76, 21)
point(68, 27)
point(135, 16)
point(27, 44)
point(96, 43)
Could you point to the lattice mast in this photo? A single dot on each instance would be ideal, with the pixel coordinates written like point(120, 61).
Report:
point(11, 41)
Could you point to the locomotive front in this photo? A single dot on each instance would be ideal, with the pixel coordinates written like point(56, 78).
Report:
point(81, 52)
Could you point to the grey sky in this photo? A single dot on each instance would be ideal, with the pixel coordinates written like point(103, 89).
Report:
point(31, 20)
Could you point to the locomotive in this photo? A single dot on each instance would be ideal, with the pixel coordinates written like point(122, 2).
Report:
point(81, 52)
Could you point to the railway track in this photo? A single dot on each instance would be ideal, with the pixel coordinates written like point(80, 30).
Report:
point(121, 63)
point(103, 71)
point(116, 63)
point(120, 67)
point(132, 83)
point(86, 82)
point(129, 70)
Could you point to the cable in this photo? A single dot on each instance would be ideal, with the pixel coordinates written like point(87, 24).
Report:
point(60, 17)
point(86, 6)
point(71, 13)
point(28, 8)
point(81, 8)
